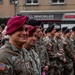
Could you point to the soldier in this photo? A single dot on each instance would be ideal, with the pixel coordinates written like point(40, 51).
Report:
point(69, 70)
point(59, 48)
point(73, 37)
point(11, 55)
point(63, 29)
point(32, 60)
point(40, 48)
point(73, 44)
point(52, 53)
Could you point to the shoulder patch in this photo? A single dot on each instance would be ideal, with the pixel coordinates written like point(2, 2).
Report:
point(2, 66)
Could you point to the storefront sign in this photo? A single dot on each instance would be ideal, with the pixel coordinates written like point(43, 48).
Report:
point(68, 16)
point(42, 17)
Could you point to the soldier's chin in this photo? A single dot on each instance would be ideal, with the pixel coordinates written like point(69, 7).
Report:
point(24, 41)
point(33, 45)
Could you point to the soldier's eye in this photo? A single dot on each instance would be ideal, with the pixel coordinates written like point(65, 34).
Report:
point(26, 29)
point(20, 29)
point(35, 35)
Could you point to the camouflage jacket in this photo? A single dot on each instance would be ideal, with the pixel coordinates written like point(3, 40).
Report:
point(41, 50)
point(73, 42)
point(68, 48)
point(32, 62)
point(12, 61)
point(59, 48)
point(52, 53)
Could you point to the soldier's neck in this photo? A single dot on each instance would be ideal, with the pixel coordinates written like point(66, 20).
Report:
point(27, 47)
point(17, 45)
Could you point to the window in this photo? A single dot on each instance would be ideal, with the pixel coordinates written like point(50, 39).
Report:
point(58, 1)
point(14, 1)
point(0, 1)
point(31, 2)
point(11, 1)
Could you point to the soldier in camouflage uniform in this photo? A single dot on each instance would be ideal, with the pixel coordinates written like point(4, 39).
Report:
point(11, 55)
point(42, 51)
point(69, 70)
point(62, 32)
point(39, 47)
point(52, 53)
point(73, 44)
point(32, 60)
point(59, 48)
point(73, 38)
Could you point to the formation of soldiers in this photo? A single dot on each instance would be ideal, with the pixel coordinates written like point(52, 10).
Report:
point(32, 51)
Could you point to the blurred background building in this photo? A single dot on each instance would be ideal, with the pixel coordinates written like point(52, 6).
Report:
point(61, 12)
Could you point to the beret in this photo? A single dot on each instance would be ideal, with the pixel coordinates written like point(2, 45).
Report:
point(58, 29)
point(73, 28)
point(66, 31)
point(64, 28)
point(15, 23)
point(49, 29)
point(34, 22)
point(31, 30)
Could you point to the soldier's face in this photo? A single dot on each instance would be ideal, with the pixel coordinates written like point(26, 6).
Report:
point(59, 34)
point(53, 31)
point(68, 34)
point(21, 35)
point(39, 32)
point(31, 41)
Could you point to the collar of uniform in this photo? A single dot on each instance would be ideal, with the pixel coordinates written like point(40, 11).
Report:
point(27, 51)
point(12, 47)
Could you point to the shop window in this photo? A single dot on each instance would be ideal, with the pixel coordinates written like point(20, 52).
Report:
point(1, 1)
point(58, 1)
point(31, 2)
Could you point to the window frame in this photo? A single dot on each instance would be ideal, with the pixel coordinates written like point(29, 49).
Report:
point(32, 3)
point(58, 2)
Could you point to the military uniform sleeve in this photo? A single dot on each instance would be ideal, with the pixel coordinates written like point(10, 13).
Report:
point(51, 53)
point(44, 59)
point(68, 51)
point(5, 67)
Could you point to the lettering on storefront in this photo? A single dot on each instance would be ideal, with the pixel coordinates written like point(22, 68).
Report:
point(42, 17)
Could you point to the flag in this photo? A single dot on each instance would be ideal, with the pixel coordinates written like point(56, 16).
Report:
point(2, 66)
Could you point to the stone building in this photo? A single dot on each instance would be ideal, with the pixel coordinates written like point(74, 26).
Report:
point(49, 11)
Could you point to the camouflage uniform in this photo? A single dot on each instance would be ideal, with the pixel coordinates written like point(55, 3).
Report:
point(42, 52)
point(73, 45)
point(12, 61)
point(73, 42)
point(59, 48)
point(53, 57)
point(69, 70)
point(32, 62)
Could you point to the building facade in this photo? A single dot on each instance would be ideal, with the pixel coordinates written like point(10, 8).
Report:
point(48, 11)
point(6, 9)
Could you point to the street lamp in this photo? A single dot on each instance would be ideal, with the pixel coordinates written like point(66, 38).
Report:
point(15, 5)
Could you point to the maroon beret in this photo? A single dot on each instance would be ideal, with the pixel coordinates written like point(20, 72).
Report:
point(15, 23)
point(31, 30)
